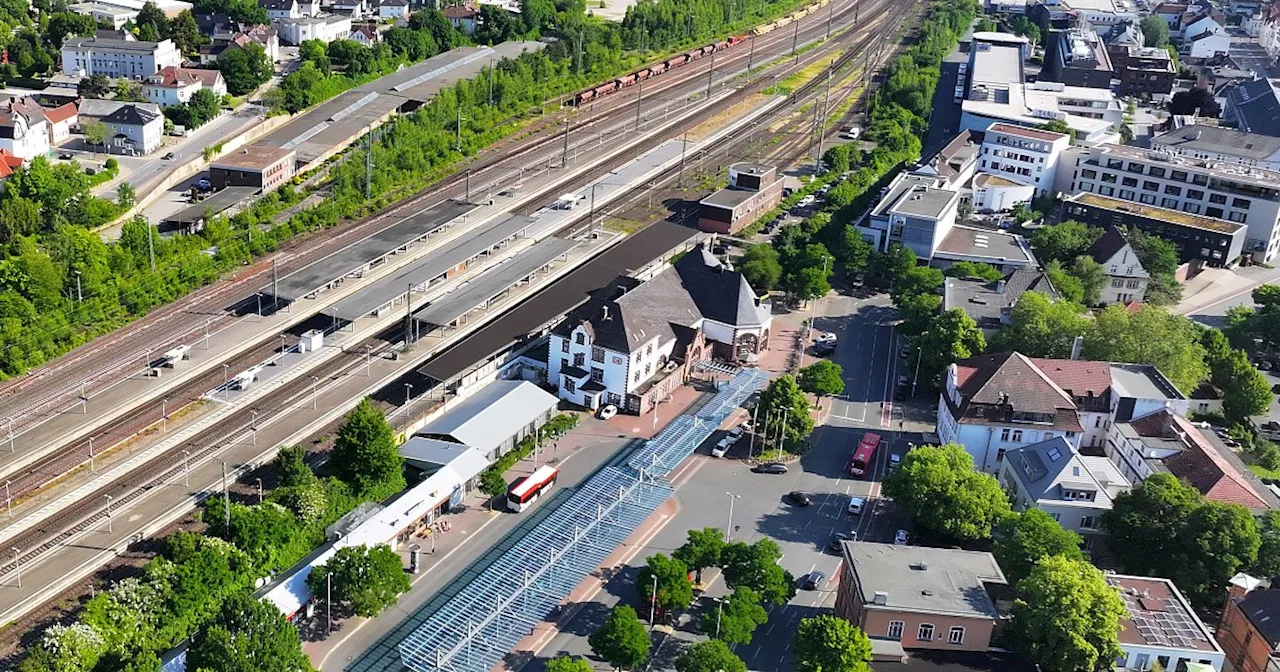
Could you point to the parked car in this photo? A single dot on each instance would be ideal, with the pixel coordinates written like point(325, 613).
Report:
point(770, 468)
point(902, 538)
point(813, 580)
point(895, 460)
point(826, 337)
point(839, 538)
point(203, 184)
point(167, 157)
point(851, 133)
point(607, 411)
point(799, 498)
point(824, 349)
point(855, 506)
point(724, 445)
point(66, 156)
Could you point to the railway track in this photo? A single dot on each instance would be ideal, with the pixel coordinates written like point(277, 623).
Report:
point(92, 511)
point(93, 368)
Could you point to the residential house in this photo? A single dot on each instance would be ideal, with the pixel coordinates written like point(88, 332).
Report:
point(24, 128)
point(463, 17)
point(1254, 107)
point(61, 120)
point(990, 304)
point(356, 9)
point(174, 86)
point(134, 130)
point(1027, 156)
point(93, 109)
point(1073, 489)
point(925, 598)
point(1249, 632)
point(994, 403)
point(290, 9)
point(364, 34)
point(323, 28)
point(1214, 191)
point(1194, 23)
point(956, 162)
point(753, 190)
point(1145, 71)
point(1209, 44)
point(1163, 441)
point(1126, 278)
point(131, 59)
point(393, 9)
point(1122, 36)
point(636, 341)
point(1161, 627)
point(1172, 13)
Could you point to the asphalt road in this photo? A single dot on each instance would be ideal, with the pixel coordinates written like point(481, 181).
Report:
point(705, 486)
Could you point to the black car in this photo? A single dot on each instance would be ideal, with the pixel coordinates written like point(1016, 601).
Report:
point(65, 156)
point(799, 498)
point(825, 348)
point(770, 468)
point(167, 157)
point(813, 580)
point(838, 539)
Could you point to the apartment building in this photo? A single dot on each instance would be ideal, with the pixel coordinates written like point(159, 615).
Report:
point(323, 28)
point(1025, 155)
point(1078, 57)
point(86, 56)
point(24, 128)
point(173, 86)
point(994, 403)
point(634, 342)
point(1161, 627)
point(1235, 193)
point(1126, 278)
point(1249, 632)
point(1073, 489)
point(1145, 71)
point(1217, 143)
point(925, 598)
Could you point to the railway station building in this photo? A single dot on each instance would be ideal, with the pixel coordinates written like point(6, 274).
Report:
point(634, 341)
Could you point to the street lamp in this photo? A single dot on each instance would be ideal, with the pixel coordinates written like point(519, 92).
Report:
point(728, 527)
point(408, 392)
point(653, 602)
point(259, 490)
point(164, 415)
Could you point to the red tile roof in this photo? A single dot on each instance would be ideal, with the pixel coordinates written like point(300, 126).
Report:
point(8, 163)
point(1014, 379)
point(61, 113)
point(1199, 464)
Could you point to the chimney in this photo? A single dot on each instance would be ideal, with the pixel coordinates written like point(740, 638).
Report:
point(1000, 287)
point(881, 598)
point(606, 313)
point(1077, 346)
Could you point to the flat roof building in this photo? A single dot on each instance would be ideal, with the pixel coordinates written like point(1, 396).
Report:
point(136, 60)
point(495, 419)
point(753, 190)
point(256, 165)
point(1078, 56)
point(1210, 241)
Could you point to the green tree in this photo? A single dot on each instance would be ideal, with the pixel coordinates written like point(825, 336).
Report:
point(567, 663)
point(94, 86)
point(125, 195)
point(1150, 335)
point(365, 579)
point(675, 590)
point(1245, 391)
point(365, 455)
point(1066, 617)
point(1220, 540)
point(918, 313)
point(186, 33)
point(1143, 522)
point(783, 402)
point(823, 378)
point(830, 644)
point(709, 656)
point(952, 336)
point(917, 280)
point(247, 636)
point(1023, 539)
point(939, 487)
point(244, 68)
point(853, 253)
point(203, 106)
point(973, 269)
point(807, 283)
point(1268, 562)
point(736, 618)
point(1093, 279)
point(755, 566)
point(67, 24)
point(701, 550)
point(291, 467)
point(621, 640)
point(1059, 126)
point(1064, 242)
point(1041, 327)
point(95, 133)
point(152, 15)
point(1068, 286)
point(493, 484)
point(886, 267)
point(837, 158)
point(1155, 31)
point(759, 265)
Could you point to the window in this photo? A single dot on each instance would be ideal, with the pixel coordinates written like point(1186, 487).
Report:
point(895, 629)
point(580, 338)
point(636, 378)
point(1118, 282)
point(1109, 177)
point(1172, 190)
point(648, 368)
point(1091, 174)
point(1149, 199)
point(1132, 284)
point(564, 363)
point(579, 359)
point(1129, 181)
point(955, 635)
point(1089, 522)
point(597, 353)
point(1179, 175)
point(1134, 167)
point(564, 345)
point(1218, 198)
point(1193, 208)
point(569, 386)
point(1213, 212)
point(597, 374)
point(648, 352)
point(1237, 216)
point(1200, 179)
point(1017, 435)
point(1148, 185)
point(638, 354)
point(925, 633)
point(1127, 194)
point(1155, 172)
point(1242, 203)
point(1105, 191)
point(1195, 194)
point(1004, 434)
point(1170, 203)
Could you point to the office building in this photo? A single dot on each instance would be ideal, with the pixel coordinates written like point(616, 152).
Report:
point(254, 166)
point(753, 190)
point(1145, 71)
point(86, 56)
point(1078, 57)
point(1027, 156)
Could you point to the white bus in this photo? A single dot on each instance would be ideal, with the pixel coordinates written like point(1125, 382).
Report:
point(525, 491)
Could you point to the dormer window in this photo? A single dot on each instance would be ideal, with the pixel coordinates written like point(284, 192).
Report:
point(580, 338)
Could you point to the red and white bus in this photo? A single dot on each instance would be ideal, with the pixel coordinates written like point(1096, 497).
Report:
point(525, 491)
point(860, 465)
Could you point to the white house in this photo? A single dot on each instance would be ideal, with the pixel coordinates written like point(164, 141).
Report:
point(290, 9)
point(364, 34)
point(1072, 488)
point(634, 342)
point(993, 193)
point(1208, 45)
point(994, 403)
point(323, 28)
point(393, 9)
point(1161, 627)
point(174, 86)
point(1027, 156)
point(463, 17)
point(24, 128)
point(1126, 278)
point(61, 120)
point(85, 56)
point(135, 130)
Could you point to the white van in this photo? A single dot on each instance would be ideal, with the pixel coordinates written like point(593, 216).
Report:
point(851, 133)
point(855, 506)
